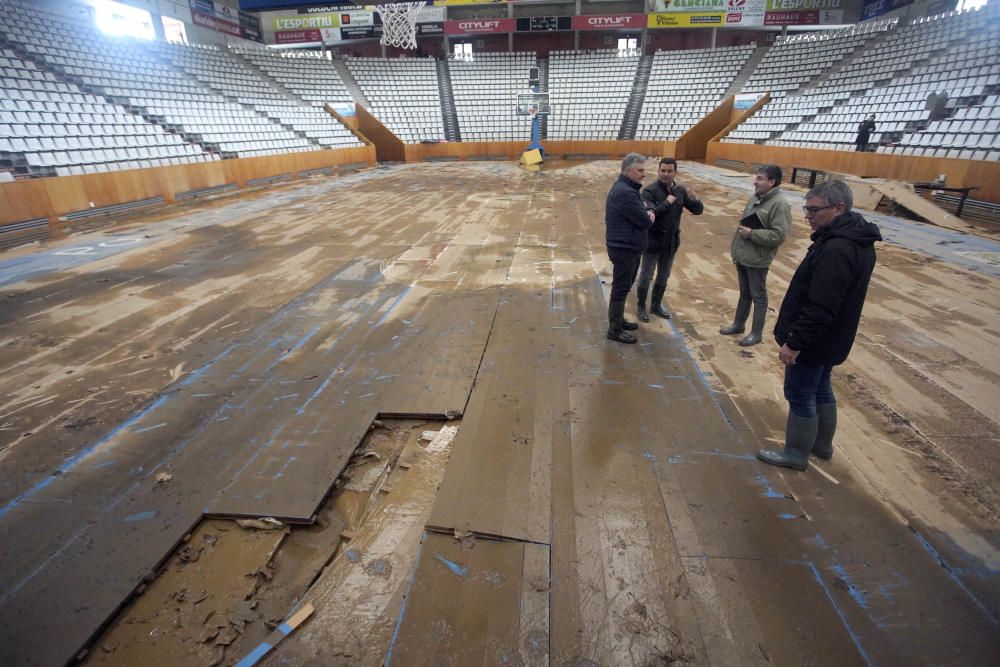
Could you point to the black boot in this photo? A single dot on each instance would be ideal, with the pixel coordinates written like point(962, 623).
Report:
point(800, 434)
point(739, 320)
point(640, 294)
point(616, 313)
point(757, 329)
point(823, 447)
point(655, 307)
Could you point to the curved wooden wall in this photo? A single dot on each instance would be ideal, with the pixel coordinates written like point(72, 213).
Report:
point(57, 196)
point(985, 175)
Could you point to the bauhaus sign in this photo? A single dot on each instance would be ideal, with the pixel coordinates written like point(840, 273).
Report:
point(610, 22)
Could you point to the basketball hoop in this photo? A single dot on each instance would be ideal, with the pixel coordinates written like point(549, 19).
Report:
point(399, 23)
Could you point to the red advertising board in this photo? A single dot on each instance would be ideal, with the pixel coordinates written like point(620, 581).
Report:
point(479, 26)
point(215, 24)
point(297, 36)
point(610, 22)
point(806, 17)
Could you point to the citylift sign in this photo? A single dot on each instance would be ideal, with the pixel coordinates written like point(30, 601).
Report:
point(479, 26)
point(610, 22)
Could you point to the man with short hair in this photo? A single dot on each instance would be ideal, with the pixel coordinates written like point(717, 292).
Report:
point(818, 320)
point(668, 200)
point(865, 130)
point(766, 222)
point(626, 221)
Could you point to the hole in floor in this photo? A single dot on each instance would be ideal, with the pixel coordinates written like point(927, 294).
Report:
point(232, 582)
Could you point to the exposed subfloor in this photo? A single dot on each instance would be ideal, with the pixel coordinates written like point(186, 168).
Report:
point(600, 503)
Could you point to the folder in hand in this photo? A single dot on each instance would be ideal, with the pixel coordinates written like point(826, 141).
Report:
point(752, 221)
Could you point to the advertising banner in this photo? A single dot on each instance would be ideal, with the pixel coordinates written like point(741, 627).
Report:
point(297, 36)
point(746, 100)
point(686, 6)
point(809, 17)
point(800, 5)
point(291, 22)
point(358, 18)
point(610, 22)
point(430, 29)
point(479, 26)
point(687, 20)
point(360, 32)
point(745, 12)
point(250, 25)
point(215, 24)
point(874, 8)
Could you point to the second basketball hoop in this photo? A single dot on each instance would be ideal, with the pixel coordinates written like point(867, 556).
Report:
point(399, 23)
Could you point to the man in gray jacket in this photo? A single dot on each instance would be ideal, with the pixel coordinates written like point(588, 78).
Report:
point(626, 221)
point(766, 222)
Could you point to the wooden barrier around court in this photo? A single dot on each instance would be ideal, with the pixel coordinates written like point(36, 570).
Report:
point(985, 175)
point(57, 196)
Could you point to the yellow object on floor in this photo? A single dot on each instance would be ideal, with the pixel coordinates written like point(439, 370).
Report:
point(534, 156)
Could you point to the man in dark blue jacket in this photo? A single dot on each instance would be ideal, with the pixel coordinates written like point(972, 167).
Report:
point(626, 220)
point(819, 319)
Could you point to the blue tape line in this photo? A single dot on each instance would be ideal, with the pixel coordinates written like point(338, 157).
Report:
point(255, 655)
point(285, 629)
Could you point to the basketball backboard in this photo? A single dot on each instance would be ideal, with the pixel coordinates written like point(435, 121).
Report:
point(528, 101)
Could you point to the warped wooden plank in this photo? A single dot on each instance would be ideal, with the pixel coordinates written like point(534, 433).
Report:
point(484, 605)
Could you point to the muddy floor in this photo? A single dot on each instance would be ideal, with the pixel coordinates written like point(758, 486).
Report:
point(168, 377)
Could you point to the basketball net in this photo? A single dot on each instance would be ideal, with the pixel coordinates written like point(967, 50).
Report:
point(399, 23)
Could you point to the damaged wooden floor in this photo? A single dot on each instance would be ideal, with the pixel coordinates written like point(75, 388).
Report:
point(601, 504)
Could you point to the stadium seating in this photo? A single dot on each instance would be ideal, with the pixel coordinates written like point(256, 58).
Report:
point(485, 91)
point(75, 101)
point(307, 74)
point(217, 70)
point(588, 93)
point(685, 86)
point(403, 93)
point(893, 77)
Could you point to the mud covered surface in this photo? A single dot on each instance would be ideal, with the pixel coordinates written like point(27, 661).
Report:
point(599, 504)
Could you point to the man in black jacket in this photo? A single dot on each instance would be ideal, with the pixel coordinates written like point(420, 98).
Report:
point(819, 319)
point(668, 200)
point(626, 220)
point(865, 130)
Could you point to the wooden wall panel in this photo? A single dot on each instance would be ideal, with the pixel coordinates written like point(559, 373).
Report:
point(692, 144)
point(513, 149)
point(986, 175)
point(388, 147)
point(53, 197)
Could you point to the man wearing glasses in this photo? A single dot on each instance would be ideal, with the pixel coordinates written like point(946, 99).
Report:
point(766, 221)
point(819, 319)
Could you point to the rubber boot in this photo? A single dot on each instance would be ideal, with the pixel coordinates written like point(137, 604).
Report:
point(655, 306)
point(800, 434)
point(757, 328)
point(641, 291)
point(616, 313)
point(739, 320)
point(823, 447)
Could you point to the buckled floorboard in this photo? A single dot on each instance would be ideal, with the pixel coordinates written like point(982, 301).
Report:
point(611, 508)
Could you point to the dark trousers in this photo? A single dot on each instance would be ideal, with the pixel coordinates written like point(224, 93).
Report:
point(656, 262)
point(806, 387)
point(862, 145)
point(625, 265)
point(753, 285)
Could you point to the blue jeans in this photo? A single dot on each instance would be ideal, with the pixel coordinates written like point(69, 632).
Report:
point(806, 387)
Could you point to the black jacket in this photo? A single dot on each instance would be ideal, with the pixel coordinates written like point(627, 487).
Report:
point(625, 216)
point(822, 307)
point(865, 130)
point(665, 234)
